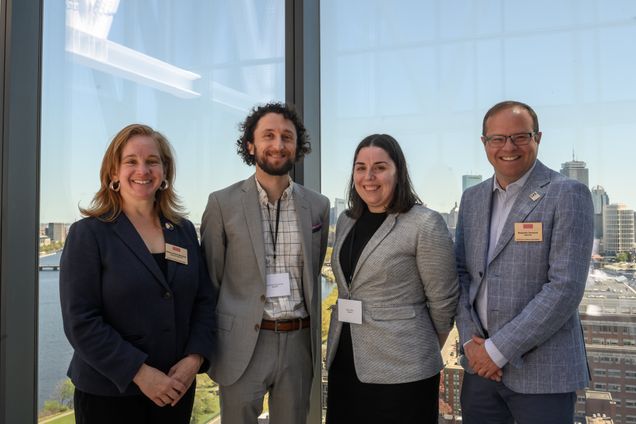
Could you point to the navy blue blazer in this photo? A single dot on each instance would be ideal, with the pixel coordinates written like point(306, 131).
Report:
point(120, 311)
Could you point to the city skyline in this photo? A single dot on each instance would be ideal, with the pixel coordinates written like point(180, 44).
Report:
point(390, 73)
point(450, 205)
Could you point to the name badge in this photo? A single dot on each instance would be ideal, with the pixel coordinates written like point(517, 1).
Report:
point(528, 231)
point(278, 285)
point(176, 254)
point(350, 311)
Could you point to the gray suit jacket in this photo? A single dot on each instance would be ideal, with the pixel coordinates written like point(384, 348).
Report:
point(234, 248)
point(534, 288)
point(406, 280)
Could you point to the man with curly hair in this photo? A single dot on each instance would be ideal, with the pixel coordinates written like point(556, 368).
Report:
point(264, 240)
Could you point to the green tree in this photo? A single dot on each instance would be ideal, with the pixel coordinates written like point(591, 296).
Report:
point(64, 392)
point(622, 257)
point(52, 407)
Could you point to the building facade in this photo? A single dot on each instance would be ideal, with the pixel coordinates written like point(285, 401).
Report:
point(618, 229)
point(576, 170)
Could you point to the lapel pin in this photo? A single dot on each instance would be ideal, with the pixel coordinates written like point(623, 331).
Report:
point(535, 196)
point(169, 226)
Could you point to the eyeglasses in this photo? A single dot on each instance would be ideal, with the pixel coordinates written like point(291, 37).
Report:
point(498, 140)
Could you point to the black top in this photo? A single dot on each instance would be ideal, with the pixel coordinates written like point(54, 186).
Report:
point(161, 260)
point(357, 239)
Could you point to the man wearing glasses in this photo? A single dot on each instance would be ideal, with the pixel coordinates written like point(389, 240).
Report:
point(523, 245)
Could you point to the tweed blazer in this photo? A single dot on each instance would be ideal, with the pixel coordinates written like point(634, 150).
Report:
point(120, 311)
point(234, 247)
point(534, 288)
point(406, 280)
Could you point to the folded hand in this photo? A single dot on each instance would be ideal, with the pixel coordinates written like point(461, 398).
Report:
point(185, 371)
point(480, 361)
point(157, 386)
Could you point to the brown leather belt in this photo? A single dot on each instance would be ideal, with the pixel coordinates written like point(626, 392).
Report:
point(285, 325)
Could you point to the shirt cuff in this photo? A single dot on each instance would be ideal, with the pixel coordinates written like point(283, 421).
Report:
point(494, 354)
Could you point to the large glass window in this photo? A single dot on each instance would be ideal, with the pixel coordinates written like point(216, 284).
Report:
point(189, 69)
point(427, 71)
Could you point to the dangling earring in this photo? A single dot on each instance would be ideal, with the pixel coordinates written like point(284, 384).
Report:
point(164, 185)
point(114, 186)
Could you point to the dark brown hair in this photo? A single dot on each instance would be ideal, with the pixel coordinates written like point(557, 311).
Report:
point(247, 127)
point(508, 104)
point(404, 196)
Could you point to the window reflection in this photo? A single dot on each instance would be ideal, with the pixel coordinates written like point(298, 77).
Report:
point(426, 72)
point(189, 69)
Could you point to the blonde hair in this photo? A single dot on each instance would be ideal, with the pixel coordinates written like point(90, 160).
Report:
point(107, 204)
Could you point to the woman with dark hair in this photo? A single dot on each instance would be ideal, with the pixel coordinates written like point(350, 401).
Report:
point(137, 304)
point(397, 292)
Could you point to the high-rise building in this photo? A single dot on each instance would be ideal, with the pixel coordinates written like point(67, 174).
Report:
point(608, 311)
point(576, 170)
point(452, 219)
point(618, 229)
point(600, 200)
point(469, 181)
point(56, 231)
point(339, 206)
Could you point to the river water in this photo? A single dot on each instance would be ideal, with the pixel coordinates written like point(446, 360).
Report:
point(54, 351)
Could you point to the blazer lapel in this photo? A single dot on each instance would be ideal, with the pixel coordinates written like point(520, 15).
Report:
point(480, 218)
point(131, 238)
point(529, 197)
point(252, 211)
point(303, 213)
point(170, 236)
point(336, 268)
point(379, 235)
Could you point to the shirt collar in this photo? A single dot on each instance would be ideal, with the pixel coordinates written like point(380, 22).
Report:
point(262, 194)
point(515, 186)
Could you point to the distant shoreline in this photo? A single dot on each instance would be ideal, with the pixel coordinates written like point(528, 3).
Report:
point(44, 255)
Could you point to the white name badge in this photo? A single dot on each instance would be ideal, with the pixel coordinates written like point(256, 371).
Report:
point(350, 311)
point(278, 285)
point(176, 253)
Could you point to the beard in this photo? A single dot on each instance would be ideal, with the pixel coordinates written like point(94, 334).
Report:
point(270, 169)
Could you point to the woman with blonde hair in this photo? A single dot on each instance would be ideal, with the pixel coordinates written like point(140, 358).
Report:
point(137, 304)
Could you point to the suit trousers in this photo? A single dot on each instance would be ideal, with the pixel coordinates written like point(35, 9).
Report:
point(489, 402)
point(96, 409)
point(281, 365)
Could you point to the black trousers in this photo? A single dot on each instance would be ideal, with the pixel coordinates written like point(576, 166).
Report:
point(95, 409)
point(351, 401)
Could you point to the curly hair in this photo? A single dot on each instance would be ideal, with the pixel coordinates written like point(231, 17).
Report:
point(247, 127)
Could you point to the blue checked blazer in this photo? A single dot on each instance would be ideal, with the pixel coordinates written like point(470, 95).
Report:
point(534, 288)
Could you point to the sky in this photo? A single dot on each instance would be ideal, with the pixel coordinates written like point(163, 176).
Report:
point(422, 71)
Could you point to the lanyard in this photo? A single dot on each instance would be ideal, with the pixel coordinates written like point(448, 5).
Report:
point(269, 221)
point(352, 262)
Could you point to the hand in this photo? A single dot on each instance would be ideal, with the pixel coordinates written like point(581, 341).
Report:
point(480, 361)
point(185, 371)
point(157, 386)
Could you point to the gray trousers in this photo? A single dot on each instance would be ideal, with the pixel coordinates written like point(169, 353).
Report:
point(281, 365)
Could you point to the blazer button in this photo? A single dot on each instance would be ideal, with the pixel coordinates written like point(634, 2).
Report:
point(167, 295)
point(263, 298)
point(257, 327)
